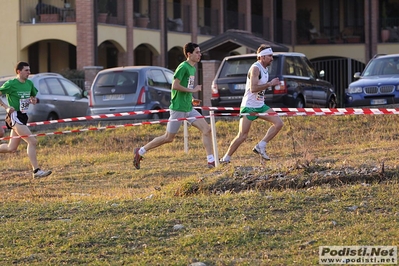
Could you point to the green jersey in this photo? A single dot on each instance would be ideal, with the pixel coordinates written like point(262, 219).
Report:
point(18, 94)
point(180, 100)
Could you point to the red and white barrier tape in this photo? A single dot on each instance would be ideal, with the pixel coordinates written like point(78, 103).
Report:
point(102, 128)
point(318, 110)
point(277, 112)
point(93, 117)
point(288, 111)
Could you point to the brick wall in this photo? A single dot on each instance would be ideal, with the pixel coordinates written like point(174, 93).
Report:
point(209, 68)
point(90, 74)
point(85, 33)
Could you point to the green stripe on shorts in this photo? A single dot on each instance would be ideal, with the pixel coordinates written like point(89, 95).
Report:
point(247, 110)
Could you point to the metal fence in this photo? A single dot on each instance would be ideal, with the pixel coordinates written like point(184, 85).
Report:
point(339, 71)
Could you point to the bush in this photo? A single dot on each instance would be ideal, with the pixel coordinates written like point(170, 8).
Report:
point(73, 74)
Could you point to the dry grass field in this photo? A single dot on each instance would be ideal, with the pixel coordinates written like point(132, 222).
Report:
point(332, 180)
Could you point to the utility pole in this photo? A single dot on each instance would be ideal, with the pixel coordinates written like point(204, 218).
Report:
point(165, 17)
point(95, 32)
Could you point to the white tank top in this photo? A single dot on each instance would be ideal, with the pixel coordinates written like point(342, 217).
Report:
point(257, 99)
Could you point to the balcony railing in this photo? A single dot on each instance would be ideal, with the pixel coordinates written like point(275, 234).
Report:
point(391, 27)
point(33, 12)
point(178, 18)
point(64, 11)
point(111, 12)
point(206, 18)
point(234, 20)
point(261, 26)
point(347, 35)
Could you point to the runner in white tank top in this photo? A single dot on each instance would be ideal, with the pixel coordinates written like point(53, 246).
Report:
point(254, 102)
point(255, 99)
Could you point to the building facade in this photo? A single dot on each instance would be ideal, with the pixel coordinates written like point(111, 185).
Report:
point(55, 35)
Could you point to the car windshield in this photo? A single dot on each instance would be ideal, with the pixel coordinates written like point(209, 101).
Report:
point(382, 66)
point(239, 67)
point(118, 78)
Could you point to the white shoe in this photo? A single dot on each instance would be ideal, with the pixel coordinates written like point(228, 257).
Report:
point(261, 152)
point(224, 161)
point(40, 173)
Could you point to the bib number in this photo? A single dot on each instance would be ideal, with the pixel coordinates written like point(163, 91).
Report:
point(24, 105)
point(260, 96)
point(191, 82)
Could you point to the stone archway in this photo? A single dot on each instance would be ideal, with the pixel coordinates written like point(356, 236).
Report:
point(51, 56)
point(175, 57)
point(145, 54)
point(110, 54)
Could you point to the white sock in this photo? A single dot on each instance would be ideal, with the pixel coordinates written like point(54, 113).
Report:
point(142, 151)
point(210, 158)
point(262, 144)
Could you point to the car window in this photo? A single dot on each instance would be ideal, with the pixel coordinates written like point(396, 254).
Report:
point(238, 67)
point(169, 76)
point(289, 66)
point(105, 80)
point(71, 88)
point(43, 89)
point(156, 77)
point(55, 86)
point(122, 79)
point(309, 68)
point(296, 67)
point(382, 66)
point(273, 68)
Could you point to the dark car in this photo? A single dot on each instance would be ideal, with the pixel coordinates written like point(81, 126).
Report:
point(57, 98)
point(131, 89)
point(378, 84)
point(300, 84)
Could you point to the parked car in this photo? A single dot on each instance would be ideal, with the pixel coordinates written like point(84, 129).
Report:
point(57, 98)
point(378, 84)
point(131, 89)
point(300, 85)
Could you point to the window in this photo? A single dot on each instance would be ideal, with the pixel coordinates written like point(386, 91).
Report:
point(310, 70)
point(234, 68)
point(169, 77)
point(354, 17)
point(289, 66)
point(294, 66)
point(43, 89)
point(71, 89)
point(55, 86)
point(158, 79)
point(329, 18)
point(127, 80)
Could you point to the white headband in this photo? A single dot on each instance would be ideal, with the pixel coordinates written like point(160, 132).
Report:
point(267, 51)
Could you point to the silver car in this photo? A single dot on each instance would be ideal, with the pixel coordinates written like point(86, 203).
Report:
point(57, 98)
point(131, 89)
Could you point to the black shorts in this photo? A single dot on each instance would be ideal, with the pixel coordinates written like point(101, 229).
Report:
point(22, 117)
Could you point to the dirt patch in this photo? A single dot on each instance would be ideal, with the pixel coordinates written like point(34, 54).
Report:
point(300, 176)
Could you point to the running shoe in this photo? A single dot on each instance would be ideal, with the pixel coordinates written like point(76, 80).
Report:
point(38, 173)
point(211, 164)
point(223, 161)
point(261, 152)
point(137, 158)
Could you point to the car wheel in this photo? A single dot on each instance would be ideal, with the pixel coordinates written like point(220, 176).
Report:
point(52, 116)
point(332, 103)
point(299, 103)
point(156, 116)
